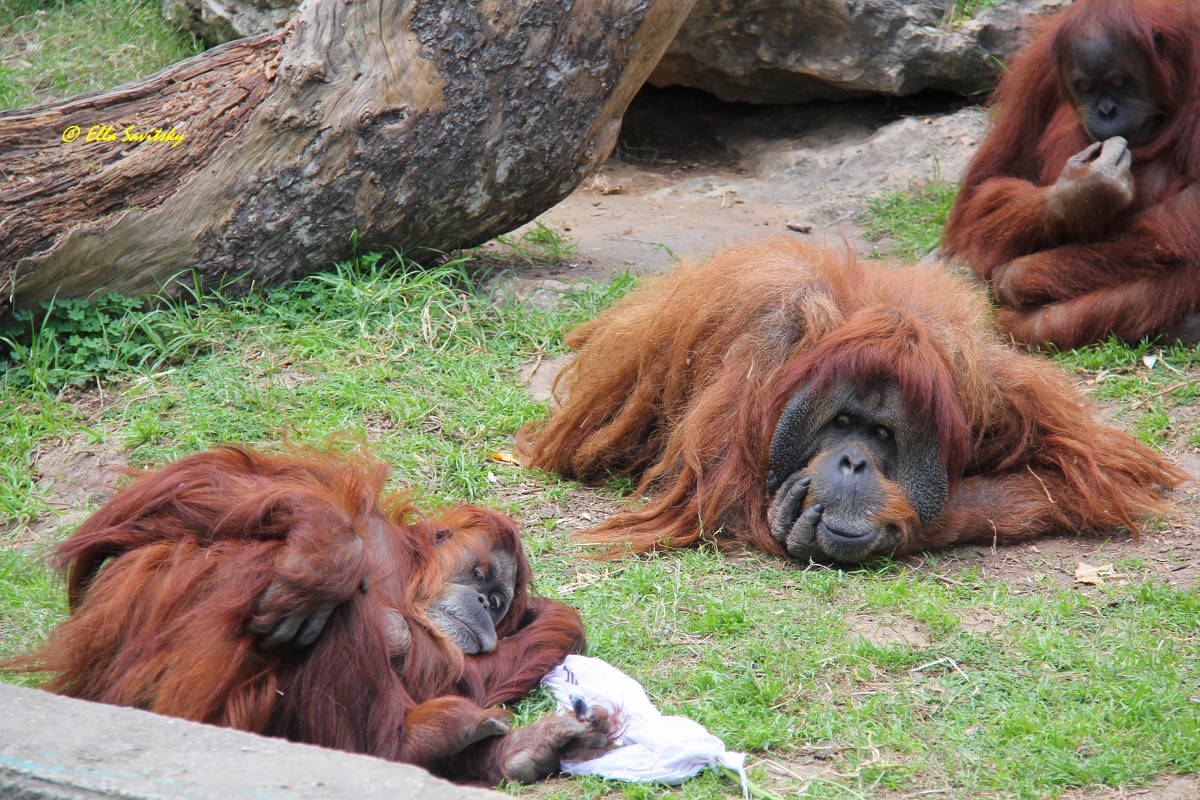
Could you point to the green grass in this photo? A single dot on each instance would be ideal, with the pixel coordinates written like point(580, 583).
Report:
point(410, 359)
point(51, 49)
point(1071, 687)
point(33, 601)
point(910, 223)
point(536, 244)
point(29, 420)
point(959, 11)
point(1148, 384)
point(378, 346)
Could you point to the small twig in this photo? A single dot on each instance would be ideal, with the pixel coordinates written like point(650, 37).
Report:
point(751, 789)
point(630, 239)
point(1163, 361)
point(782, 769)
point(919, 568)
point(537, 362)
point(946, 660)
point(1159, 393)
point(1043, 483)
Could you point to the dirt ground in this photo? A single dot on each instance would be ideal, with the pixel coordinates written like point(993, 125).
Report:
point(691, 175)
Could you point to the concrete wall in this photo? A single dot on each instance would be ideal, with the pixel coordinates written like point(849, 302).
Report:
point(55, 748)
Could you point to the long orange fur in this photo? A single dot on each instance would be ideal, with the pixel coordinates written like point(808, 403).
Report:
point(165, 579)
point(1131, 273)
point(682, 382)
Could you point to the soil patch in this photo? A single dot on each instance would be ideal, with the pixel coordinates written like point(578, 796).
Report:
point(887, 631)
point(1184, 788)
point(537, 377)
point(691, 174)
point(76, 477)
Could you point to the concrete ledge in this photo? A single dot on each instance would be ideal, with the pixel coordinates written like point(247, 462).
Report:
point(55, 748)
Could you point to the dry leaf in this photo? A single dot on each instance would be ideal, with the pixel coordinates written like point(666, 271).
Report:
point(728, 195)
point(505, 458)
point(601, 185)
point(1086, 573)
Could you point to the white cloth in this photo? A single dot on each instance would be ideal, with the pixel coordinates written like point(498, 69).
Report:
point(652, 747)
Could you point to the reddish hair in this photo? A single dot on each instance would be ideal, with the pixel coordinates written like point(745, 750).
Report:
point(167, 579)
point(682, 383)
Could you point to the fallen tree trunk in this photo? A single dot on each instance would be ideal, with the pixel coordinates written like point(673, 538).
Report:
point(418, 124)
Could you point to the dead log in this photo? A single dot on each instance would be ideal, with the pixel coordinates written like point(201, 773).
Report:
point(415, 123)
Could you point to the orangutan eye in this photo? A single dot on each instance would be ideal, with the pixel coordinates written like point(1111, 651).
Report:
point(842, 421)
point(477, 574)
point(1117, 83)
point(882, 433)
point(494, 602)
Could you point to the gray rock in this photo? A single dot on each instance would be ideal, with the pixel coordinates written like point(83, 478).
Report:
point(56, 748)
point(770, 51)
point(786, 51)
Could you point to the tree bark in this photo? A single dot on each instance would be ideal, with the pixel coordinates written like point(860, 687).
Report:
point(417, 123)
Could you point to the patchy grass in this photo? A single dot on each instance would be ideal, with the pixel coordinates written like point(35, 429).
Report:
point(29, 420)
point(57, 48)
point(382, 350)
point(536, 244)
point(1063, 687)
point(32, 601)
point(1066, 690)
point(1151, 386)
point(959, 11)
point(910, 223)
point(982, 687)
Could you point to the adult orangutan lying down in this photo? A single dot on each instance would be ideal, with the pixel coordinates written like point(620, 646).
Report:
point(282, 595)
point(795, 399)
point(1082, 207)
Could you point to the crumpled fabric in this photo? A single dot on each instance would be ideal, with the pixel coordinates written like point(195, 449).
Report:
point(653, 747)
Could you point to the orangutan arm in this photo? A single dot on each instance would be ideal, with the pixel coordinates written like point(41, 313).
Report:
point(998, 509)
point(1005, 218)
point(1156, 256)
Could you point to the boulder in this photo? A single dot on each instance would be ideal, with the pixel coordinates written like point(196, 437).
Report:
point(771, 51)
point(787, 51)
